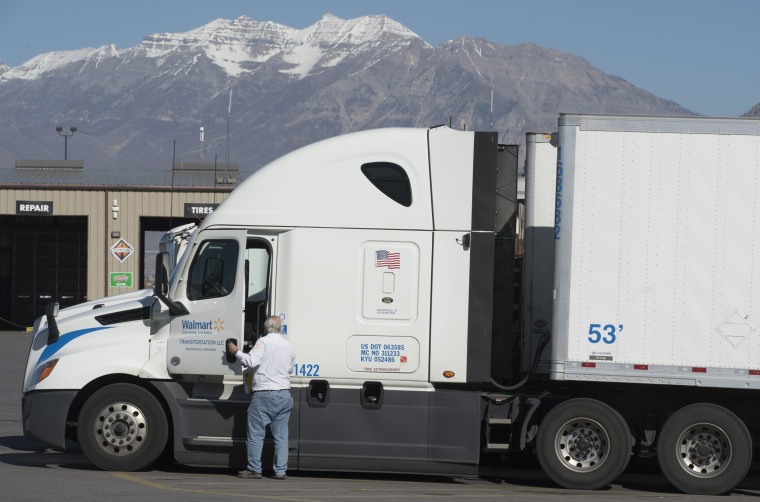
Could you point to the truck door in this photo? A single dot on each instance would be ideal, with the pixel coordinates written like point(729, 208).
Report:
point(226, 288)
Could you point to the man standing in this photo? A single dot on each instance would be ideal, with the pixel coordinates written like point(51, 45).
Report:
point(272, 359)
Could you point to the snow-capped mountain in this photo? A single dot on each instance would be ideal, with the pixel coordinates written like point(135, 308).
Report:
point(753, 112)
point(282, 88)
point(237, 47)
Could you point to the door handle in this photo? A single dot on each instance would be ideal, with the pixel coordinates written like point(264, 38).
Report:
point(230, 356)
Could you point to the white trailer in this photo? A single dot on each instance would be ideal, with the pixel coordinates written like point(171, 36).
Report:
point(655, 286)
point(657, 237)
point(381, 253)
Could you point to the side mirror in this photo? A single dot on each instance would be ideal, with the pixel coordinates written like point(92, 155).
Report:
point(161, 287)
point(51, 312)
point(162, 274)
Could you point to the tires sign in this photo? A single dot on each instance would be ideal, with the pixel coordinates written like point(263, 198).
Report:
point(193, 210)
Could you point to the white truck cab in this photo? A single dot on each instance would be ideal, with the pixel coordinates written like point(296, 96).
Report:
point(376, 251)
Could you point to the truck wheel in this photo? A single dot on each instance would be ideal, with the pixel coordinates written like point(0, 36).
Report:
point(122, 427)
point(583, 444)
point(704, 449)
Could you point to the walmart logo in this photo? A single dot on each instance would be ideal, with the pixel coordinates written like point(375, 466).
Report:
point(190, 325)
point(219, 325)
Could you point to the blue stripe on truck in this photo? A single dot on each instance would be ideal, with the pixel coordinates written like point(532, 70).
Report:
point(65, 339)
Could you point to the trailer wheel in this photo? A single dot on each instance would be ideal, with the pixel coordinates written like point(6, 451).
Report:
point(704, 449)
point(122, 427)
point(583, 444)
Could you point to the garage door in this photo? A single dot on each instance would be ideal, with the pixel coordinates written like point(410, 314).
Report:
point(49, 264)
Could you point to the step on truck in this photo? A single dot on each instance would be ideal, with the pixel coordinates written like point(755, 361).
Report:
point(389, 255)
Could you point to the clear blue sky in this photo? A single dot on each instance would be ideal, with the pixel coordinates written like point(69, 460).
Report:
point(703, 54)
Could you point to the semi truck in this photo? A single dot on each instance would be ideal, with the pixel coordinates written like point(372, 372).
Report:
point(389, 256)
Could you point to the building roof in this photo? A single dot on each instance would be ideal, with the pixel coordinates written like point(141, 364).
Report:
point(72, 174)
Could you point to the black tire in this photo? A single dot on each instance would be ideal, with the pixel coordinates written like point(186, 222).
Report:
point(122, 427)
point(704, 449)
point(583, 444)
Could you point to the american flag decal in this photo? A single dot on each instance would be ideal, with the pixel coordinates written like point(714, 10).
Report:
point(385, 259)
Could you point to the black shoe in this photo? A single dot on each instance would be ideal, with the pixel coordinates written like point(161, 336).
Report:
point(249, 474)
point(281, 476)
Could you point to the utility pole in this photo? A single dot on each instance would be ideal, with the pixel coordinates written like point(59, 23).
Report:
point(60, 132)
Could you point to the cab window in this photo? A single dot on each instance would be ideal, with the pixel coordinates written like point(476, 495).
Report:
point(391, 180)
point(213, 271)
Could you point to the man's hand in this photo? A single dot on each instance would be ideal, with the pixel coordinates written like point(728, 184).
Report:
point(232, 347)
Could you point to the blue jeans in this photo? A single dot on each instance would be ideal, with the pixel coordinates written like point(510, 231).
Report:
point(269, 408)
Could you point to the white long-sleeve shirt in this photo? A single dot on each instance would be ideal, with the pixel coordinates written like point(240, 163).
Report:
point(272, 360)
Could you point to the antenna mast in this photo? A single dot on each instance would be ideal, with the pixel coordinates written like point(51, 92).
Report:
point(229, 113)
point(201, 137)
point(171, 197)
point(491, 128)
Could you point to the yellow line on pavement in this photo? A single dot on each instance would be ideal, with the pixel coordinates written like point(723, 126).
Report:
point(457, 491)
point(161, 486)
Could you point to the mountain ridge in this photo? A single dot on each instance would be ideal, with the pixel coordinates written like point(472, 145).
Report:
point(290, 87)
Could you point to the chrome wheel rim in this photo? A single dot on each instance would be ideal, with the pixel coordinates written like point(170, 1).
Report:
point(120, 429)
point(582, 444)
point(704, 450)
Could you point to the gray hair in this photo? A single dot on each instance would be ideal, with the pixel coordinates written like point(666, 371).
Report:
point(272, 324)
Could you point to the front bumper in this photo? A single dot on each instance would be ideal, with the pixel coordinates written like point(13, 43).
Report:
point(43, 415)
